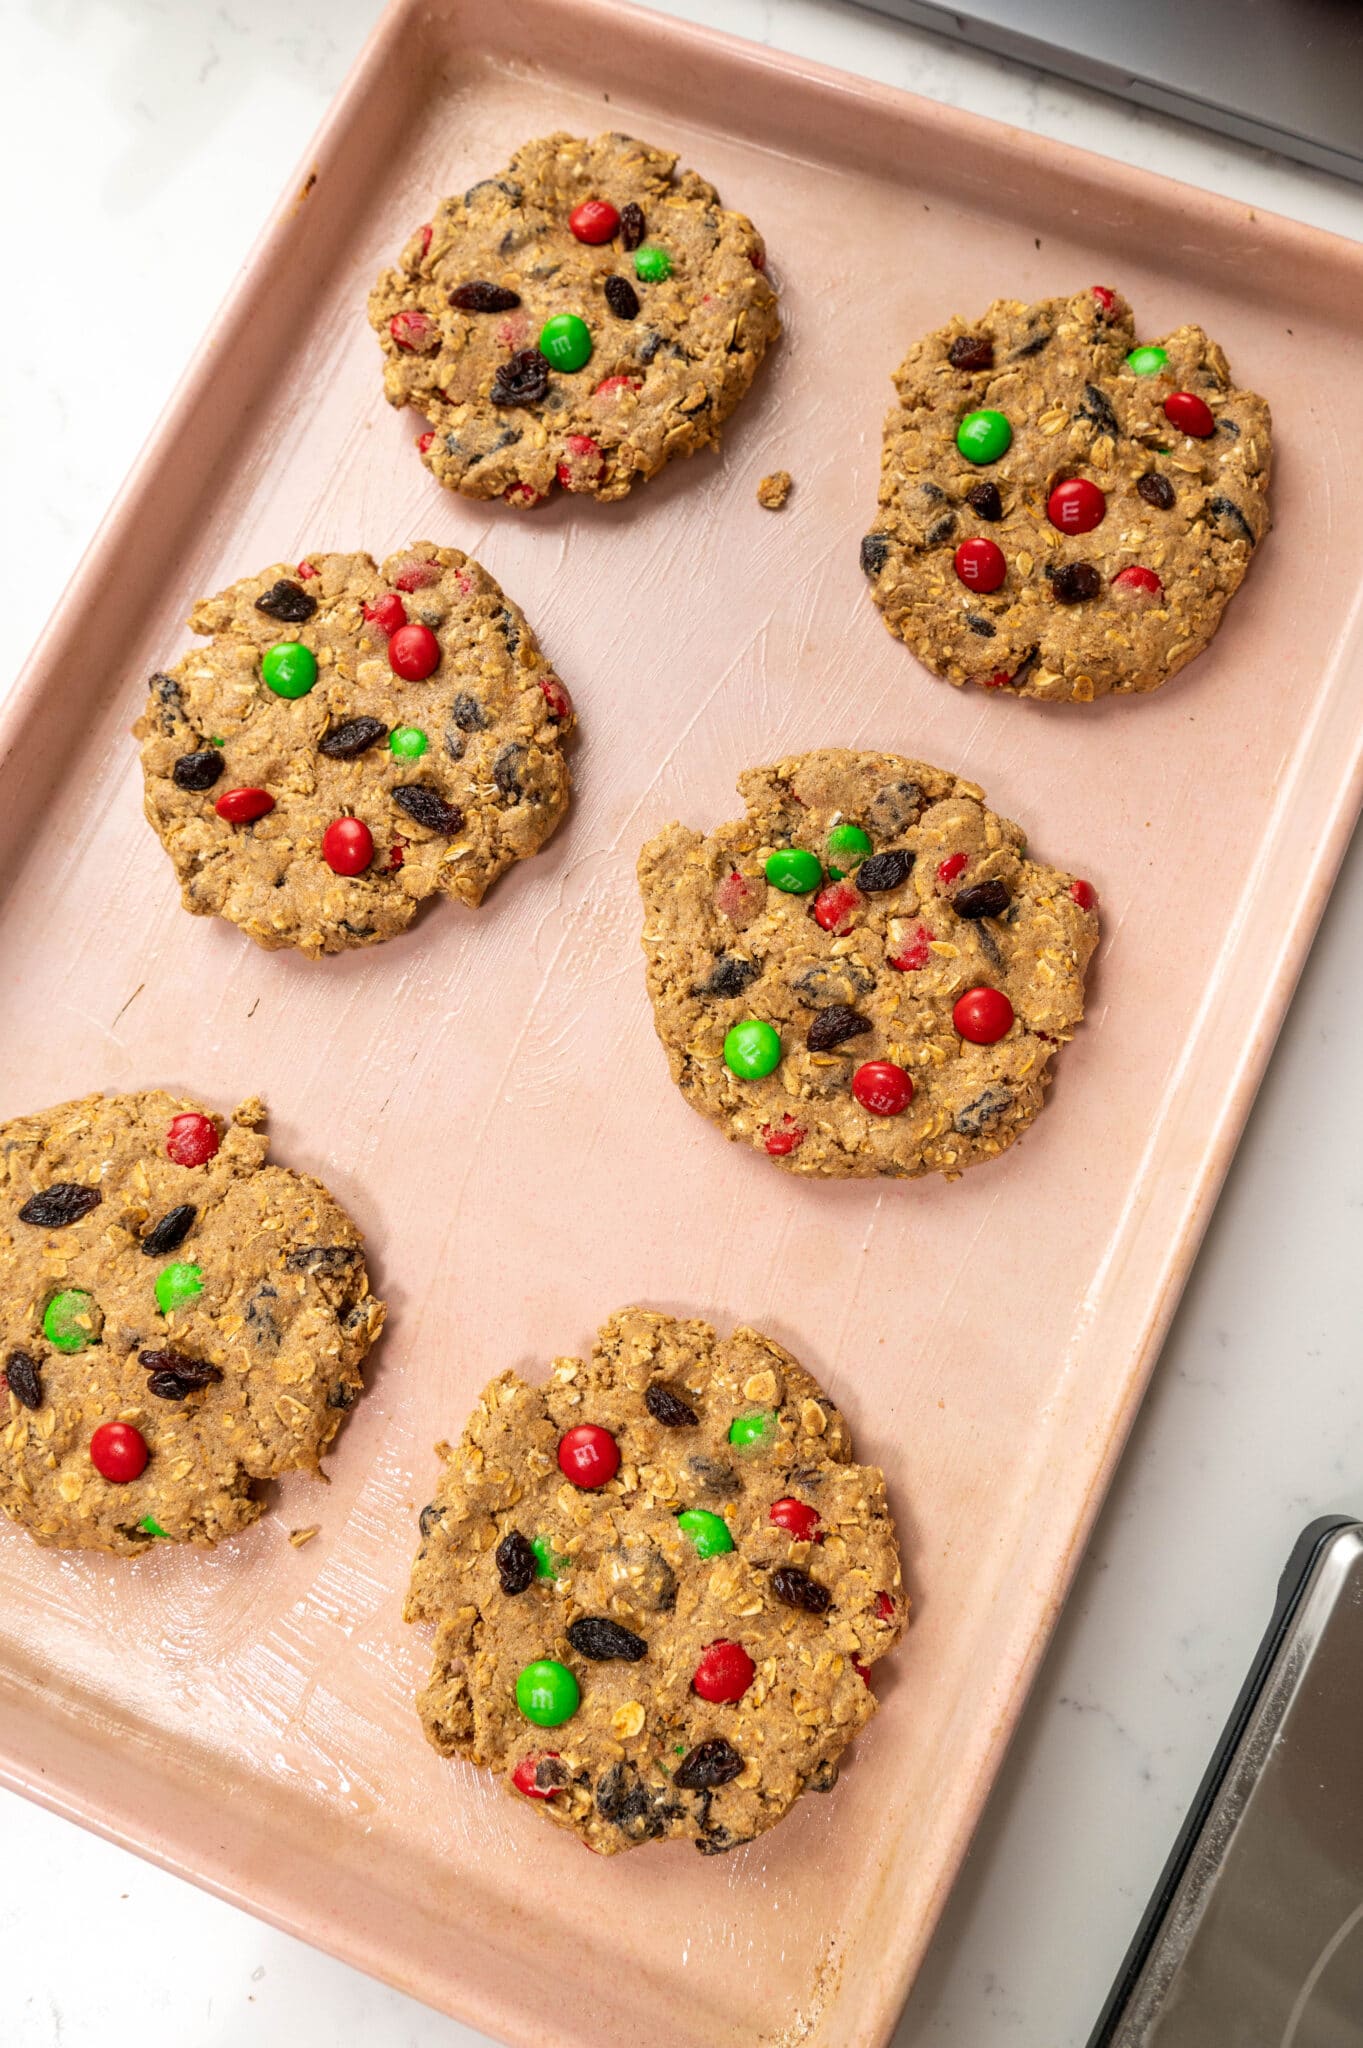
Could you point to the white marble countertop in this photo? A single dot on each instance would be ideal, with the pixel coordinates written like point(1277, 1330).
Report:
point(140, 124)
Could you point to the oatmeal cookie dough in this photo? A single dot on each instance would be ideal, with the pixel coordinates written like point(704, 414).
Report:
point(1064, 513)
point(658, 1583)
point(178, 1321)
point(580, 318)
point(866, 974)
point(352, 740)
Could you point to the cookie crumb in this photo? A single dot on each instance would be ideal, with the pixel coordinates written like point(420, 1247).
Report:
point(773, 490)
point(298, 1537)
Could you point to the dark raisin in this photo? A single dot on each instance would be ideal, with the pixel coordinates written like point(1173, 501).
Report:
point(971, 352)
point(832, 981)
point(729, 976)
point(506, 185)
point(326, 1259)
point(719, 1841)
point(984, 501)
point(1156, 490)
point(522, 380)
point(66, 1201)
point(934, 493)
point(1031, 347)
point(830, 1027)
point(1075, 582)
point(592, 1635)
point(1229, 514)
point(260, 1320)
point(1097, 407)
point(468, 714)
point(984, 627)
point(875, 553)
point(481, 297)
point(718, 1482)
point(515, 1563)
point(621, 297)
point(652, 1581)
point(976, 1116)
point(632, 228)
point(199, 770)
point(506, 770)
point(166, 691)
point(893, 807)
point(640, 1811)
point(668, 1408)
point(1226, 426)
point(25, 1380)
point(940, 530)
point(428, 1518)
point(428, 807)
point(356, 736)
point(649, 346)
point(885, 871)
point(797, 1589)
point(172, 1230)
point(824, 1775)
point(709, 1764)
point(288, 601)
point(173, 1374)
point(508, 629)
point(551, 1774)
point(982, 899)
point(343, 1395)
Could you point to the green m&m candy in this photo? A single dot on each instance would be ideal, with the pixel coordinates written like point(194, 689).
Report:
point(752, 1049)
point(289, 668)
point(548, 1564)
point(153, 1527)
point(1148, 361)
point(709, 1533)
point(794, 870)
point(177, 1284)
point(565, 341)
point(984, 436)
point(547, 1693)
point(846, 843)
point(72, 1320)
point(407, 742)
point(750, 1432)
point(652, 264)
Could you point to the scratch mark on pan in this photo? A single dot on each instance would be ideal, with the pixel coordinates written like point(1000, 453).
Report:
point(131, 1000)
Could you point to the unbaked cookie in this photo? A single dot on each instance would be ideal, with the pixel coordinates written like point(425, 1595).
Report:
point(658, 1584)
point(580, 318)
point(1062, 512)
point(866, 974)
point(352, 740)
point(178, 1321)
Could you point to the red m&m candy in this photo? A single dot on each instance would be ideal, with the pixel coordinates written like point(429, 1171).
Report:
point(416, 574)
point(834, 905)
point(784, 1138)
point(882, 1088)
point(243, 806)
point(980, 564)
point(724, 1673)
point(413, 653)
point(588, 1455)
point(387, 612)
point(614, 387)
point(1076, 505)
point(596, 220)
point(1190, 414)
point(414, 332)
point(948, 869)
point(523, 1777)
point(1106, 298)
point(884, 1607)
point(192, 1139)
point(1084, 894)
point(983, 1015)
point(557, 698)
point(424, 441)
point(794, 1515)
point(581, 463)
point(1137, 582)
point(118, 1452)
point(347, 846)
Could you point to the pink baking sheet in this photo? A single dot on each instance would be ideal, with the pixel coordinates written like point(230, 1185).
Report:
point(485, 1093)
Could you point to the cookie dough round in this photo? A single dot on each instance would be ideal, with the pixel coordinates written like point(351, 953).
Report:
point(674, 303)
point(627, 1586)
point(1070, 613)
point(220, 1310)
point(937, 898)
point(453, 774)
